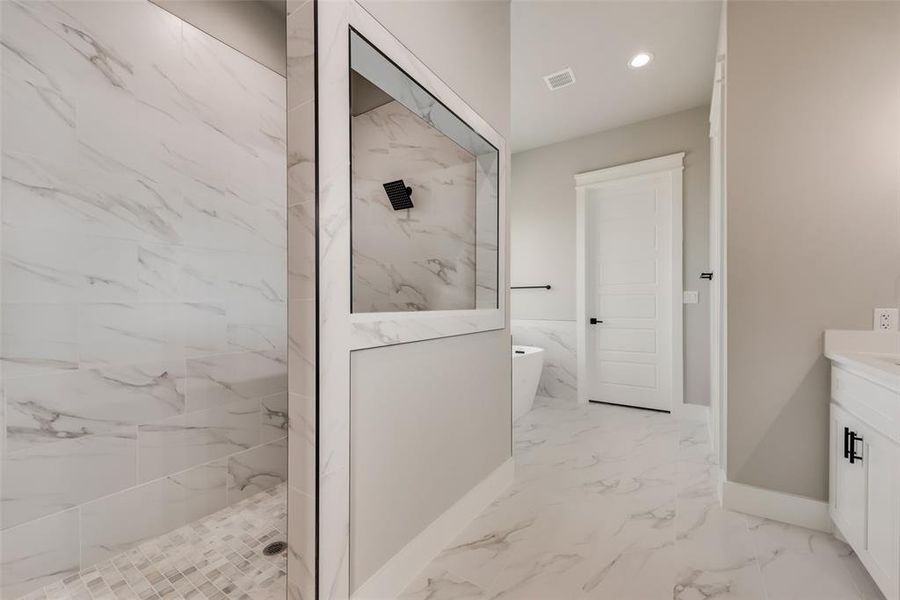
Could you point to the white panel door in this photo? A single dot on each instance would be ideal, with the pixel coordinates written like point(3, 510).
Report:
point(628, 282)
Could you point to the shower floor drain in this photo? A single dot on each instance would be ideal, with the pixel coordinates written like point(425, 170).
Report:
point(275, 548)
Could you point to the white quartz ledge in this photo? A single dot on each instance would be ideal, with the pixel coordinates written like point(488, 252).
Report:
point(873, 355)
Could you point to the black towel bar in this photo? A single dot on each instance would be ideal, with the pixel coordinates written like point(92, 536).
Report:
point(530, 287)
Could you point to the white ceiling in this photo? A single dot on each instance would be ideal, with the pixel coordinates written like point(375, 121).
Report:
point(597, 38)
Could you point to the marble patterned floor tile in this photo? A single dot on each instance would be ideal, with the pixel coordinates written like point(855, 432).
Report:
point(215, 558)
point(802, 563)
point(437, 584)
point(612, 503)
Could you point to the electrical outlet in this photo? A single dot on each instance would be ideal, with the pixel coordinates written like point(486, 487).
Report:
point(885, 319)
point(691, 297)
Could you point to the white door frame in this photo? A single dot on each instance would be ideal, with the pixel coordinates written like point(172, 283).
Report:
point(718, 289)
point(718, 350)
point(673, 165)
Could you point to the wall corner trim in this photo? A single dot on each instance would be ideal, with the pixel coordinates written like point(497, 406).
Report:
point(396, 574)
point(777, 506)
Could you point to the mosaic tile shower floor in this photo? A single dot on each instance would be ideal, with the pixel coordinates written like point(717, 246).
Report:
point(219, 557)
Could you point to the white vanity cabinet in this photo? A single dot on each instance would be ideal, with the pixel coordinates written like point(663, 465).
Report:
point(864, 462)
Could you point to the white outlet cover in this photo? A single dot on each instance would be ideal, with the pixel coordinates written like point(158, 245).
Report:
point(691, 296)
point(886, 319)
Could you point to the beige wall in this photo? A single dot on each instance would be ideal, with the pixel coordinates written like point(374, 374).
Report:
point(431, 419)
point(542, 222)
point(813, 177)
point(253, 27)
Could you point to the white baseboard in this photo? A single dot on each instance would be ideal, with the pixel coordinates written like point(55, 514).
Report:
point(396, 574)
point(778, 506)
point(693, 412)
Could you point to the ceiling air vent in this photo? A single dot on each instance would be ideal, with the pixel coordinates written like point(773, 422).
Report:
point(560, 79)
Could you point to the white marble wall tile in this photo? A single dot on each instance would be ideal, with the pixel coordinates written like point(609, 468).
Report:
point(302, 348)
point(255, 278)
point(301, 545)
point(486, 230)
point(559, 378)
point(158, 144)
point(252, 121)
point(38, 552)
point(38, 338)
point(92, 195)
point(112, 47)
point(302, 293)
point(118, 522)
point(257, 469)
point(418, 259)
point(49, 478)
point(168, 272)
point(215, 217)
point(111, 334)
point(300, 53)
point(108, 401)
point(302, 154)
point(78, 45)
point(47, 267)
point(178, 443)
point(302, 443)
point(200, 328)
point(273, 417)
point(223, 379)
point(257, 325)
point(124, 333)
point(301, 253)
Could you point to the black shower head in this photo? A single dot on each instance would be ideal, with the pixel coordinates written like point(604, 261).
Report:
point(398, 194)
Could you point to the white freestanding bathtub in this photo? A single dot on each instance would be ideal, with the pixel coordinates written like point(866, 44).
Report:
point(526, 373)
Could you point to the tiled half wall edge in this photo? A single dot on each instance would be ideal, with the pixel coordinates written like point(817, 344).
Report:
point(302, 314)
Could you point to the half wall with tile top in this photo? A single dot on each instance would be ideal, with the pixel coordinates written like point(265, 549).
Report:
point(302, 285)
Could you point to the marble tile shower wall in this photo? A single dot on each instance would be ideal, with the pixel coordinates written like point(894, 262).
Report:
point(418, 259)
point(559, 378)
point(302, 317)
point(144, 284)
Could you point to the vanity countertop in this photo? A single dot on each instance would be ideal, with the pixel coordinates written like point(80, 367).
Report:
point(873, 355)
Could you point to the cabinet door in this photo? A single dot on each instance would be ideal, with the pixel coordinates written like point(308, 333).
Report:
point(882, 532)
point(848, 485)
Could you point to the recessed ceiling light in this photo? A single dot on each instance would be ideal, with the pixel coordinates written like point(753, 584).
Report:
point(641, 59)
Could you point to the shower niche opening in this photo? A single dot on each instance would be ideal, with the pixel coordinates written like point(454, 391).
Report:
point(424, 196)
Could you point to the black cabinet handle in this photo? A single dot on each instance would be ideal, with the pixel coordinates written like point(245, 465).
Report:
point(853, 455)
point(846, 442)
point(595, 321)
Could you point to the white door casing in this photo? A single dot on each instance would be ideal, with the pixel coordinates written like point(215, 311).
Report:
point(629, 277)
point(717, 291)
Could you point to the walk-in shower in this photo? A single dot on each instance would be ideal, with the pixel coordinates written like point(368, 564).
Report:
point(145, 294)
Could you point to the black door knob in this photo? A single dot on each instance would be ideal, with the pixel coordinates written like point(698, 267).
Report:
point(595, 320)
